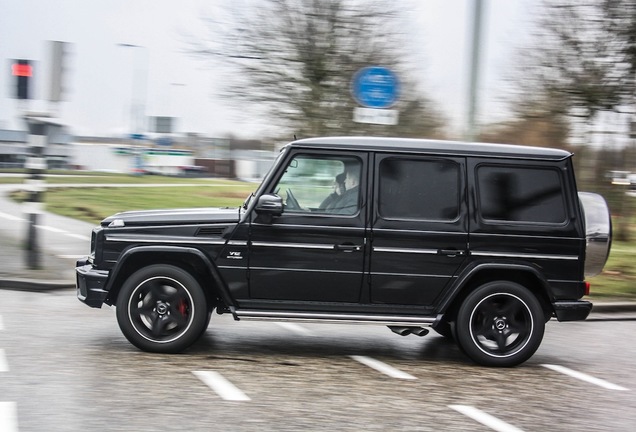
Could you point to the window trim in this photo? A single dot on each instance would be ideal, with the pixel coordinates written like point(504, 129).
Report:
point(325, 155)
point(420, 158)
point(509, 166)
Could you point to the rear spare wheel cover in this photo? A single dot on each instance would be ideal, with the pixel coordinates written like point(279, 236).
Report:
point(598, 232)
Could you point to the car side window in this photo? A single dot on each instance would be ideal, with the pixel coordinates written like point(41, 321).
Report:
point(320, 184)
point(419, 189)
point(521, 194)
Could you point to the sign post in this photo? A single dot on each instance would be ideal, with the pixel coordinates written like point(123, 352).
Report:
point(40, 128)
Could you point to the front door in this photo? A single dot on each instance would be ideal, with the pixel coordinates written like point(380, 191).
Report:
point(313, 252)
point(419, 228)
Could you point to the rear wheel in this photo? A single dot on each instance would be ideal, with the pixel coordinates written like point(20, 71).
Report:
point(501, 323)
point(162, 308)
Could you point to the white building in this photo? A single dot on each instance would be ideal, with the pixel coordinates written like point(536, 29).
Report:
point(129, 158)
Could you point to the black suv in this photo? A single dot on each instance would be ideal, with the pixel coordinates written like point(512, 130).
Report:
point(482, 242)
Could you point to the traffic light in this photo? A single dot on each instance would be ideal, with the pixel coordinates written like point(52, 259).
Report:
point(23, 71)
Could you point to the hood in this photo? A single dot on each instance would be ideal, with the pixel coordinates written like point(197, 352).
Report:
point(175, 216)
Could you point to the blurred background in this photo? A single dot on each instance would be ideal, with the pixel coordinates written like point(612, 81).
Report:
point(114, 105)
point(213, 89)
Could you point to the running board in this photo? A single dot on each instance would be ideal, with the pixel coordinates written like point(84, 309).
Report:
point(393, 320)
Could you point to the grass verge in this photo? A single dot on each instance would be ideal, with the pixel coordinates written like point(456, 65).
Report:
point(94, 204)
point(618, 279)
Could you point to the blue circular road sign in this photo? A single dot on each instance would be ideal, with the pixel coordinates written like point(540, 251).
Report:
point(375, 87)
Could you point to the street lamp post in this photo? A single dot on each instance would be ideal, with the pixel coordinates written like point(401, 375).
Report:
point(471, 132)
point(138, 92)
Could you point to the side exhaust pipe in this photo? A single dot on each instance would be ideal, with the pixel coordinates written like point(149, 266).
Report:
point(405, 331)
point(419, 331)
point(402, 331)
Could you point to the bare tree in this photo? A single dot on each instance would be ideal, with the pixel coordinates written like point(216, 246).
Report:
point(574, 63)
point(293, 62)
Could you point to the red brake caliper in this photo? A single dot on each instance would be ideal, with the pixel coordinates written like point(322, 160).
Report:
point(183, 307)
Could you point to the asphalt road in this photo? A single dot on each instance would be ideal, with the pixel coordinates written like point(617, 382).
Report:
point(67, 367)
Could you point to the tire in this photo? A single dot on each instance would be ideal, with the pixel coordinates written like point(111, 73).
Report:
point(162, 308)
point(501, 324)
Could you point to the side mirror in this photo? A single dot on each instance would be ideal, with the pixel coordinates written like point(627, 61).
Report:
point(269, 204)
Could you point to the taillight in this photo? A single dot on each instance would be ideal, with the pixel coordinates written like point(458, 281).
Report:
point(587, 288)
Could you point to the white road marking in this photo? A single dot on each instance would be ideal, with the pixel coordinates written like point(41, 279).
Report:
point(72, 257)
point(383, 367)
point(486, 419)
point(51, 229)
point(295, 328)
point(221, 386)
point(46, 227)
point(8, 417)
point(4, 365)
point(11, 217)
point(584, 377)
point(61, 231)
point(79, 236)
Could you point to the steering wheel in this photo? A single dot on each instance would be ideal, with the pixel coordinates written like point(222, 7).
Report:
point(292, 202)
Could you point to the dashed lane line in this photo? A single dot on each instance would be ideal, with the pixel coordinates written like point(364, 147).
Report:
point(4, 365)
point(8, 417)
point(383, 367)
point(225, 389)
point(584, 377)
point(486, 419)
point(8, 410)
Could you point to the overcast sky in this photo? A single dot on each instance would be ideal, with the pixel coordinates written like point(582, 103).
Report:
point(101, 73)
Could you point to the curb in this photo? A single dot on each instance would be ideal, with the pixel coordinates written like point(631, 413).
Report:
point(613, 307)
point(34, 285)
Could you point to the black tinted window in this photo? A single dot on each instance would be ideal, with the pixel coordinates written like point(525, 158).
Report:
point(419, 189)
point(521, 194)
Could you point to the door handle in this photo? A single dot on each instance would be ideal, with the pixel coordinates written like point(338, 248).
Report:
point(451, 252)
point(347, 247)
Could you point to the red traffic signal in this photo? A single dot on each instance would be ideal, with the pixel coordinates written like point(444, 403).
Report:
point(23, 71)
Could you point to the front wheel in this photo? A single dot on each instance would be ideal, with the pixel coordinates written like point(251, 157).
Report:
point(501, 324)
point(162, 308)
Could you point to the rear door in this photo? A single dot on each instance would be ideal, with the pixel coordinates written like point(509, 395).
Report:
point(419, 228)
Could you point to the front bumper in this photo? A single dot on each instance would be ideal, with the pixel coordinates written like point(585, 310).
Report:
point(90, 284)
point(572, 310)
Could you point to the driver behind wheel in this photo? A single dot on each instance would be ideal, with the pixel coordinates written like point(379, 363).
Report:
point(338, 190)
point(348, 201)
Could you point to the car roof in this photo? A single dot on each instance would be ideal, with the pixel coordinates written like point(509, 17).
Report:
point(442, 147)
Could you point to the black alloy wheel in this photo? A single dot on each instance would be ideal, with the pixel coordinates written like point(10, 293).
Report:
point(501, 323)
point(162, 308)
